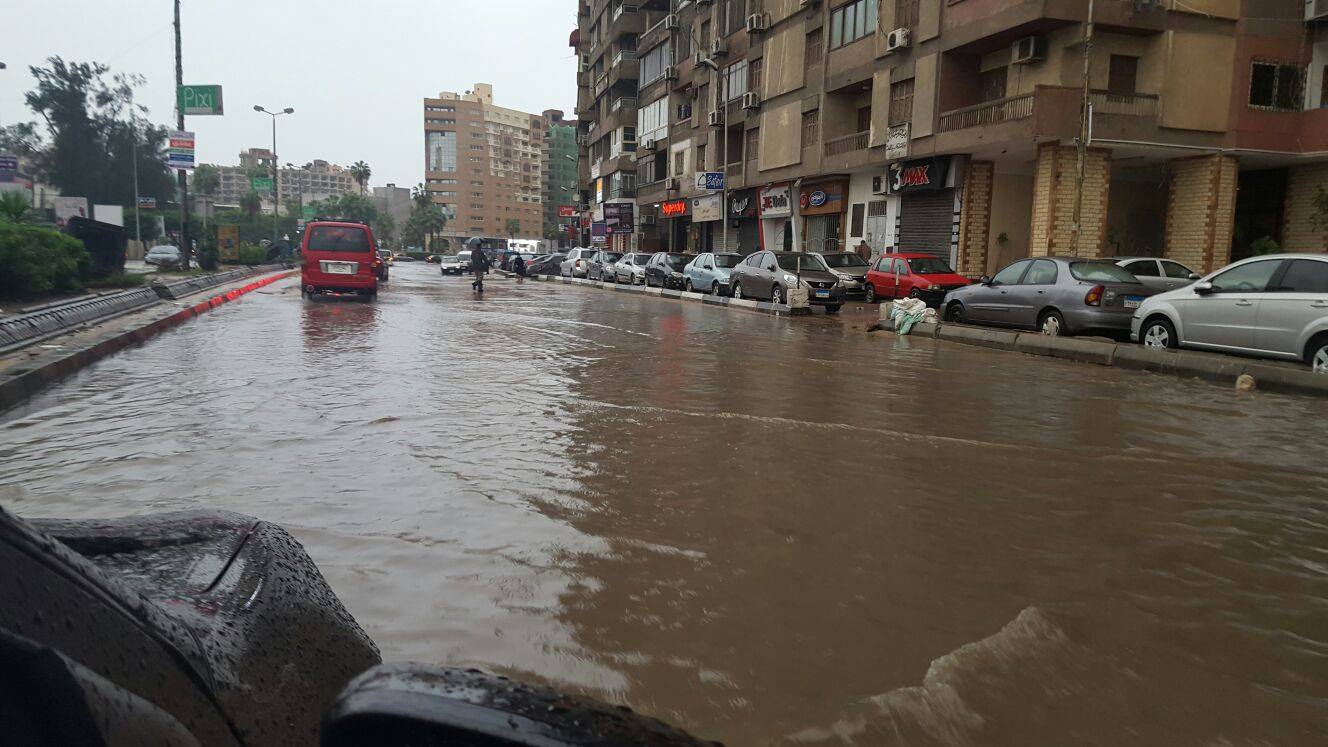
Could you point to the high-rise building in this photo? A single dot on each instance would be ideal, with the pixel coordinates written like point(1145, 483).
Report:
point(560, 178)
point(396, 202)
point(954, 128)
point(484, 165)
point(314, 181)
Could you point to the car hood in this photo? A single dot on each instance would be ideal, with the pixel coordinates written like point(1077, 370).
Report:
point(946, 278)
point(854, 272)
point(816, 276)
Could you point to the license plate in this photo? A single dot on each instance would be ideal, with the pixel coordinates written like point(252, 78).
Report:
point(822, 294)
point(1132, 302)
point(339, 268)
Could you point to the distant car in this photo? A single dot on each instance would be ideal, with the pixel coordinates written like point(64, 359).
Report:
point(450, 264)
point(910, 275)
point(401, 258)
point(709, 272)
point(601, 265)
point(631, 268)
point(463, 257)
point(163, 256)
point(381, 263)
point(548, 264)
point(768, 276)
point(1057, 295)
point(577, 262)
point(431, 259)
point(664, 269)
point(387, 256)
point(851, 270)
point(1273, 306)
point(518, 258)
point(1158, 274)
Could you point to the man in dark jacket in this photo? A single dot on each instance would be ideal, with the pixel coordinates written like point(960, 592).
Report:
point(479, 263)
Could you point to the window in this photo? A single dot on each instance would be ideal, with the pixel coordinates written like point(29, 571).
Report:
point(679, 162)
point(991, 85)
point(901, 267)
point(654, 62)
point(338, 239)
point(703, 96)
point(1275, 86)
point(811, 128)
point(753, 143)
point(1101, 272)
point(1043, 272)
point(1123, 74)
point(754, 75)
point(815, 47)
point(1304, 276)
point(859, 217)
point(700, 158)
point(849, 23)
point(444, 193)
point(1175, 270)
point(864, 119)
point(440, 109)
point(901, 102)
point(440, 120)
point(736, 16)
point(441, 147)
point(906, 13)
point(652, 120)
point(442, 181)
point(705, 34)
point(735, 80)
point(1250, 278)
point(1011, 274)
point(1144, 268)
point(883, 264)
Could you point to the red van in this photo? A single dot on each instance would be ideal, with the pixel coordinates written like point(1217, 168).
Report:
point(339, 258)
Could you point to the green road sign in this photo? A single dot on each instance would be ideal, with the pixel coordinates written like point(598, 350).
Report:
point(200, 100)
point(261, 183)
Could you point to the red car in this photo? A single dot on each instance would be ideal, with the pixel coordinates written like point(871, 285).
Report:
point(339, 258)
point(912, 276)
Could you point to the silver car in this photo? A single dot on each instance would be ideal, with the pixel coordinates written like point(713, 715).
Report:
point(1158, 274)
point(1274, 306)
point(768, 275)
point(577, 263)
point(1057, 295)
point(851, 270)
point(164, 255)
point(631, 268)
point(709, 272)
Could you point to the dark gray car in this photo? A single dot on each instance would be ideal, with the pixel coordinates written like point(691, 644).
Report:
point(767, 276)
point(1057, 295)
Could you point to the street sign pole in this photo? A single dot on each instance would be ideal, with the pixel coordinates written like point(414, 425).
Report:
point(185, 244)
point(138, 227)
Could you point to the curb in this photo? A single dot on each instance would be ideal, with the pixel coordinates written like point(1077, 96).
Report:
point(26, 384)
point(761, 307)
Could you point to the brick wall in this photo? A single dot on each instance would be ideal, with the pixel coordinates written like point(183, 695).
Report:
point(1201, 208)
point(975, 219)
point(1299, 232)
point(1054, 186)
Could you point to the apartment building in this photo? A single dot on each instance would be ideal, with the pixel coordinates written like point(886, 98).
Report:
point(484, 165)
point(952, 126)
point(560, 178)
point(314, 181)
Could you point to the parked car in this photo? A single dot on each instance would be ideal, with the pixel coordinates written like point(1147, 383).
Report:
point(709, 272)
point(851, 270)
point(164, 256)
point(664, 269)
point(451, 264)
point(1159, 274)
point(631, 268)
point(601, 265)
point(908, 275)
point(768, 276)
point(522, 259)
point(1273, 306)
point(1057, 295)
point(387, 256)
point(548, 264)
point(339, 258)
point(463, 257)
point(577, 263)
point(401, 258)
point(431, 259)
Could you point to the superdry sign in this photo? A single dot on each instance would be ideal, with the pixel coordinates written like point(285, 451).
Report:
point(919, 176)
point(673, 209)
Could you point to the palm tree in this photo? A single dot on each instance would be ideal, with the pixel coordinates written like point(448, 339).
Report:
point(361, 172)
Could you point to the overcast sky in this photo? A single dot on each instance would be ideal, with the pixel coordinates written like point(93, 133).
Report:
point(354, 70)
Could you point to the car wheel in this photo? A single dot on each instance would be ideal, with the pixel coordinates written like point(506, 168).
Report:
point(1052, 324)
point(954, 313)
point(869, 295)
point(1158, 333)
point(687, 285)
point(714, 288)
point(913, 293)
point(1317, 355)
point(737, 291)
point(776, 294)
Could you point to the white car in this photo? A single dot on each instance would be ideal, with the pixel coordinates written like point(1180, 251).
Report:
point(163, 256)
point(1273, 306)
point(1159, 274)
point(577, 263)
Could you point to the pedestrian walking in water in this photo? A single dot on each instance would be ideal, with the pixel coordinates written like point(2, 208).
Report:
point(479, 263)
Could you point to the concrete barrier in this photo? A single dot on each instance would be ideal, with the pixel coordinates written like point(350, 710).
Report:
point(980, 336)
point(1069, 348)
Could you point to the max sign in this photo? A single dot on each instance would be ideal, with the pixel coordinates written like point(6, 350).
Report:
point(917, 176)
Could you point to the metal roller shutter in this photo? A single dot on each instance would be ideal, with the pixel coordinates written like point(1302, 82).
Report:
point(926, 222)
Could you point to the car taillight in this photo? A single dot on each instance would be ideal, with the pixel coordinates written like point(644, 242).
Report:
point(1094, 297)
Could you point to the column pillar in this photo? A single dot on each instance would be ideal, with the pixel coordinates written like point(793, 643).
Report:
point(975, 219)
point(1201, 211)
point(1054, 186)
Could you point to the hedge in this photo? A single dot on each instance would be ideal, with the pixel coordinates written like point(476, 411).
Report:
point(36, 261)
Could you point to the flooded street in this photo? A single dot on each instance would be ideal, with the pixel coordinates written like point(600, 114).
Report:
point(760, 529)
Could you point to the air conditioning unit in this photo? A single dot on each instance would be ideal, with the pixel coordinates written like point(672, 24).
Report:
point(898, 39)
point(647, 219)
point(751, 100)
point(585, 62)
point(672, 185)
point(1316, 9)
point(879, 186)
point(715, 119)
point(671, 21)
point(718, 48)
point(630, 9)
point(670, 73)
point(699, 57)
point(757, 23)
point(1028, 50)
point(684, 111)
point(646, 144)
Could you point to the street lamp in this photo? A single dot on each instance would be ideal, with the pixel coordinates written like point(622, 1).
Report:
point(276, 191)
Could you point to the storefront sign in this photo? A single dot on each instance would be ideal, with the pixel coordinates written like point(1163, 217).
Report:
point(742, 205)
point(823, 199)
point(708, 208)
point(180, 149)
point(599, 233)
point(146, 203)
point(566, 211)
point(896, 142)
point(228, 243)
point(620, 217)
point(919, 176)
point(673, 208)
point(710, 181)
point(69, 207)
point(8, 164)
point(775, 202)
point(599, 190)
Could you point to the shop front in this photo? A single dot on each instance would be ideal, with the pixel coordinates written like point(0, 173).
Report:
point(822, 208)
point(675, 220)
point(620, 219)
point(928, 212)
point(744, 225)
point(707, 229)
point(776, 213)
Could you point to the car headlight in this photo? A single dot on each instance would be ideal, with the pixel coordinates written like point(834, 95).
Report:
point(933, 287)
point(790, 278)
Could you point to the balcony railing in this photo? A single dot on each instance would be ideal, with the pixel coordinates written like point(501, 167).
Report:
point(623, 54)
point(990, 112)
point(628, 102)
point(847, 144)
point(1128, 104)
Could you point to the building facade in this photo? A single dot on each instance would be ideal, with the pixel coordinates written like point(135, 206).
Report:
point(314, 181)
point(396, 202)
point(484, 165)
point(560, 178)
point(952, 126)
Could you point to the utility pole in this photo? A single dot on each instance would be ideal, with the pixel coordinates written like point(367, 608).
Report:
point(1085, 124)
point(276, 189)
point(185, 244)
point(133, 150)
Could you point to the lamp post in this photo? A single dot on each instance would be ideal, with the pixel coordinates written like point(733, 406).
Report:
point(276, 191)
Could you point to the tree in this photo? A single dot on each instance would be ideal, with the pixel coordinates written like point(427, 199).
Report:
point(206, 180)
point(513, 227)
point(427, 219)
point(13, 206)
point(384, 226)
point(348, 207)
point(361, 172)
point(251, 203)
point(23, 140)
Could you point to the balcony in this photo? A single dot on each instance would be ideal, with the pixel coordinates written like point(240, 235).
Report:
point(988, 113)
point(1049, 112)
point(623, 102)
point(1128, 105)
point(847, 144)
point(621, 56)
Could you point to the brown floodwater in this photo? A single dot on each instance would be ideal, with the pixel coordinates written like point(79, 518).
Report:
point(763, 530)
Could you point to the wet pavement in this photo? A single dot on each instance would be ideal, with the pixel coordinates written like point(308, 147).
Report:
point(760, 529)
